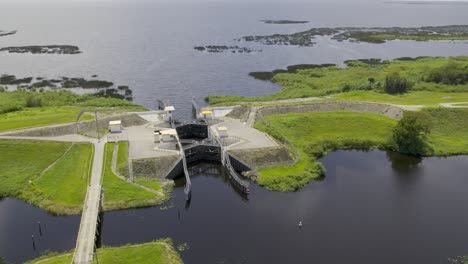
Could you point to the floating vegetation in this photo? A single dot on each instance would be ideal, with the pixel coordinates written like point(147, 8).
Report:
point(362, 34)
point(105, 88)
point(6, 33)
point(218, 49)
point(284, 21)
point(48, 49)
point(166, 207)
point(183, 247)
point(268, 76)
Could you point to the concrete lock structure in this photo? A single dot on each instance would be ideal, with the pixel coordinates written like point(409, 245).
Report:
point(115, 126)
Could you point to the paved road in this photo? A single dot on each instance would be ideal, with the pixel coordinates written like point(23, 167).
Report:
point(85, 243)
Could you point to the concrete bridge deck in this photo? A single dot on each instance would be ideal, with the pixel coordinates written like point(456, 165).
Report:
point(85, 243)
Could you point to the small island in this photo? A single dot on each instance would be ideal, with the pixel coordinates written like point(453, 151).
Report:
point(375, 35)
point(6, 33)
point(282, 22)
point(105, 88)
point(219, 49)
point(47, 49)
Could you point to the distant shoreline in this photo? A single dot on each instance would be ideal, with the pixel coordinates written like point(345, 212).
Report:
point(428, 2)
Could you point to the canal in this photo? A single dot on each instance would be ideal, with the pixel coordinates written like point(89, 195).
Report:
point(372, 207)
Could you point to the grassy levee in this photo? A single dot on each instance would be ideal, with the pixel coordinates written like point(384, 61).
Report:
point(366, 78)
point(23, 160)
point(62, 188)
point(36, 117)
point(425, 98)
point(21, 109)
point(449, 131)
point(50, 175)
point(122, 159)
point(315, 134)
point(157, 252)
point(120, 194)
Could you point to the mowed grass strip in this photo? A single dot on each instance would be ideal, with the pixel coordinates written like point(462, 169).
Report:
point(36, 117)
point(62, 188)
point(23, 160)
point(122, 159)
point(157, 252)
point(120, 194)
point(305, 129)
point(425, 98)
point(449, 132)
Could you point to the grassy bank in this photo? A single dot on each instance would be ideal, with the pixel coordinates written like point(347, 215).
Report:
point(364, 76)
point(21, 109)
point(36, 117)
point(50, 175)
point(318, 133)
point(157, 252)
point(122, 159)
point(312, 135)
point(121, 194)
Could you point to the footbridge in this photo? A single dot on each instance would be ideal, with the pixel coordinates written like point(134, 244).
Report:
point(91, 217)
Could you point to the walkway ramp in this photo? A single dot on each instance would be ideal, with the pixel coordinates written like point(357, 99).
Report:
point(85, 243)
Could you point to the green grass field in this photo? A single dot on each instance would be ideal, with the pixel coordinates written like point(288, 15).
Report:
point(425, 98)
point(157, 252)
point(315, 134)
point(313, 82)
point(23, 160)
point(122, 159)
point(120, 194)
point(60, 189)
point(53, 107)
point(42, 116)
point(449, 132)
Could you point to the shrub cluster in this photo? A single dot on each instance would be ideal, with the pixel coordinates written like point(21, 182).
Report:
point(452, 74)
point(396, 84)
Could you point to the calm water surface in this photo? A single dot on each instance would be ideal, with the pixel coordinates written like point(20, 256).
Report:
point(18, 222)
point(370, 208)
point(150, 46)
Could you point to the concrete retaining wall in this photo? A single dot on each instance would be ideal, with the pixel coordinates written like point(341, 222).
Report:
point(158, 167)
point(263, 156)
point(390, 111)
point(72, 128)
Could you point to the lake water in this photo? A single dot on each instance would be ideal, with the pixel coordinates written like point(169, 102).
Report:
point(372, 207)
point(150, 46)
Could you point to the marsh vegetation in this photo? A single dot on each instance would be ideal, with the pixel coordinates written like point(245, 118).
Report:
point(362, 34)
point(423, 80)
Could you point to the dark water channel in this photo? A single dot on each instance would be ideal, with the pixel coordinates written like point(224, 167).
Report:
point(19, 221)
point(372, 207)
